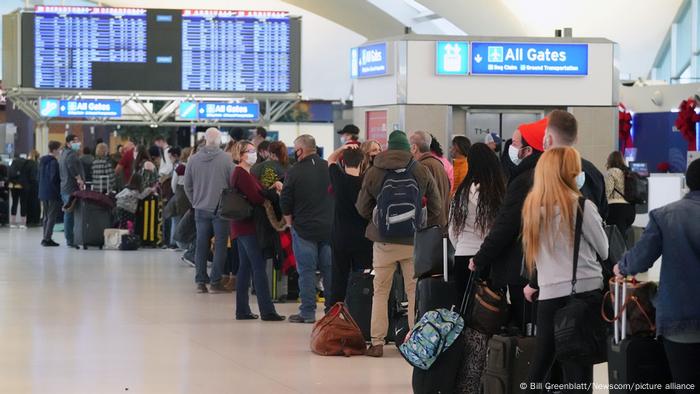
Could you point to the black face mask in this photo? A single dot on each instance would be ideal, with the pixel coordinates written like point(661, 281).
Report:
point(296, 155)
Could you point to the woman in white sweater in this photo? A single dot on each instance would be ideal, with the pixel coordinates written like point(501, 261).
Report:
point(474, 207)
point(549, 216)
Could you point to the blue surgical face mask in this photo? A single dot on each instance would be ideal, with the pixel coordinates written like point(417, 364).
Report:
point(75, 146)
point(580, 179)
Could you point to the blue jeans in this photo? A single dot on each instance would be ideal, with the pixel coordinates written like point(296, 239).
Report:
point(173, 225)
point(251, 259)
point(209, 225)
point(312, 256)
point(67, 221)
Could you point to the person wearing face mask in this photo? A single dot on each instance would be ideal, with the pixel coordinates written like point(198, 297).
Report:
point(562, 131)
point(350, 134)
point(72, 177)
point(549, 215)
point(251, 260)
point(308, 208)
point(501, 252)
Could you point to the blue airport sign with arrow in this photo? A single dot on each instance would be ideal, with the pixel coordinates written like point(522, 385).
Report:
point(503, 58)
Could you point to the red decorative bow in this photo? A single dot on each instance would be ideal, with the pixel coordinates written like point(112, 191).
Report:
point(685, 123)
point(625, 129)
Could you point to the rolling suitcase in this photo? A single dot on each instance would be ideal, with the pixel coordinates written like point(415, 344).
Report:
point(148, 221)
point(358, 300)
point(508, 359)
point(434, 293)
point(633, 360)
point(398, 310)
point(91, 220)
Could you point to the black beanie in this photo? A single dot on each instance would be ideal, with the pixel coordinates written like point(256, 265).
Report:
point(692, 176)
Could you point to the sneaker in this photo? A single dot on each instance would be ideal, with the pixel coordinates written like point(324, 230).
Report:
point(272, 317)
point(218, 288)
point(231, 284)
point(202, 288)
point(299, 319)
point(375, 351)
point(44, 242)
point(187, 261)
point(51, 242)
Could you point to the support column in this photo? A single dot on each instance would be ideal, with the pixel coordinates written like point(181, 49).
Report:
point(41, 138)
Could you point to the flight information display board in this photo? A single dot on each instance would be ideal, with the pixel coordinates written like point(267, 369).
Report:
point(235, 51)
point(68, 40)
point(135, 49)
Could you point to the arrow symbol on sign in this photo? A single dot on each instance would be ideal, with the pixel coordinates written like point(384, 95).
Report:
point(478, 58)
point(63, 108)
point(201, 110)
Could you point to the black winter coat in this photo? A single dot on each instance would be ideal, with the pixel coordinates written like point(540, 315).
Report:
point(502, 251)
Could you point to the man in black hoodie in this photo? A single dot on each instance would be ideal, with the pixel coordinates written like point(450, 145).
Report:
point(501, 251)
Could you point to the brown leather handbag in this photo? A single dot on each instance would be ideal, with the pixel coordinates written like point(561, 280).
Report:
point(641, 313)
point(489, 309)
point(337, 334)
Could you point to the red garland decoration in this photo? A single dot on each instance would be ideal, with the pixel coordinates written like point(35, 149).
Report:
point(625, 128)
point(685, 123)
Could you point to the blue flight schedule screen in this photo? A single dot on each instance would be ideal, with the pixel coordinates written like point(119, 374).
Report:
point(69, 40)
point(239, 51)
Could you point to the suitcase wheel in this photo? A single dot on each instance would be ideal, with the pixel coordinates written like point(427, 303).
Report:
point(84, 247)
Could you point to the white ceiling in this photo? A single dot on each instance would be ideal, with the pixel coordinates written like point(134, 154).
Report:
point(638, 26)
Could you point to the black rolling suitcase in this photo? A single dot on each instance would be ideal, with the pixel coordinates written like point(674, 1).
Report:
point(633, 360)
point(435, 293)
point(508, 359)
point(91, 220)
point(358, 300)
point(149, 217)
point(398, 310)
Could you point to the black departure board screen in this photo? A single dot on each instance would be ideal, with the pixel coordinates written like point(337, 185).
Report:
point(136, 49)
point(69, 40)
point(238, 51)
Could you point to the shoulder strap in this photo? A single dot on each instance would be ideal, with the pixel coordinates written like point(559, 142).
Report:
point(578, 232)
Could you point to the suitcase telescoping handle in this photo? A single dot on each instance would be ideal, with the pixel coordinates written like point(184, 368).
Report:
point(620, 323)
point(445, 268)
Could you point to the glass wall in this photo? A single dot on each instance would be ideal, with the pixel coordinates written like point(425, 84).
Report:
point(685, 68)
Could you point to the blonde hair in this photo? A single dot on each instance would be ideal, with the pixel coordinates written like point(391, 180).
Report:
point(101, 149)
point(554, 189)
point(185, 154)
point(366, 147)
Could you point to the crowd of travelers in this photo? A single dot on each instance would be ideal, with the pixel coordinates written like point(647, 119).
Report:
point(509, 209)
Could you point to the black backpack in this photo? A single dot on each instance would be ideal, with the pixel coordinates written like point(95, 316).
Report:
point(399, 204)
point(634, 188)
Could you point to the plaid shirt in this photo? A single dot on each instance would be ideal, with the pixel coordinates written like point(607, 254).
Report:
point(103, 177)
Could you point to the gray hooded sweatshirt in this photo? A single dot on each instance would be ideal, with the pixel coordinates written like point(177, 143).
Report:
point(207, 174)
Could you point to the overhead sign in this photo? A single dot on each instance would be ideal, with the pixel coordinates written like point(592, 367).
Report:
point(190, 110)
point(502, 58)
point(451, 58)
point(80, 108)
point(369, 61)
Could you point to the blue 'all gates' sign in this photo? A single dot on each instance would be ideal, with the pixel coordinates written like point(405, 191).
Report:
point(369, 61)
point(80, 108)
point(502, 58)
point(229, 111)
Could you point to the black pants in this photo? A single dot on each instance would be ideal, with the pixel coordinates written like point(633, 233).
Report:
point(21, 197)
point(344, 261)
point(622, 216)
point(684, 359)
point(573, 372)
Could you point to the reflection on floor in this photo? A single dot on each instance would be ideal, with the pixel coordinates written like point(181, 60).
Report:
point(74, 321)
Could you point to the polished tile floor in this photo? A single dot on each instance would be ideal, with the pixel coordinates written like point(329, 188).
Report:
point(74, 321)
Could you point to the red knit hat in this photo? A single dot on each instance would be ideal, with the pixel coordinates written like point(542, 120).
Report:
point(533, 133)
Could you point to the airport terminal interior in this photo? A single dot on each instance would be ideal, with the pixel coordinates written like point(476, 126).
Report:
point(366, 196)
